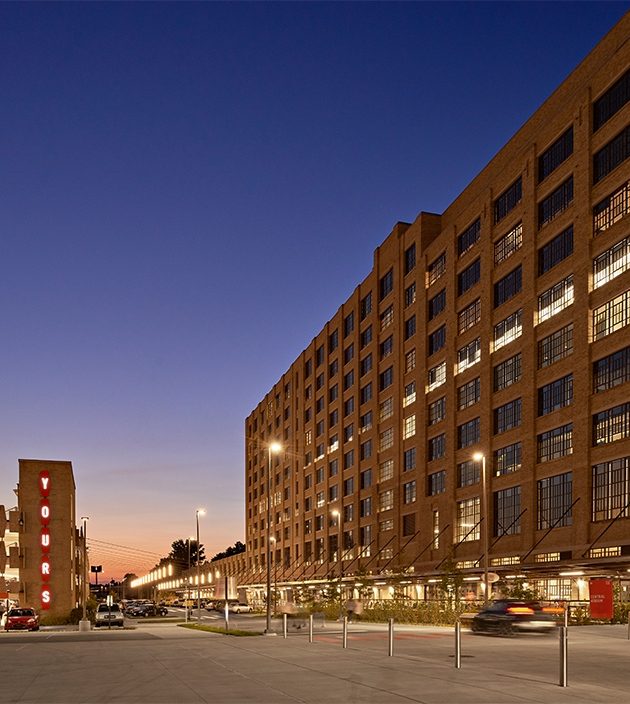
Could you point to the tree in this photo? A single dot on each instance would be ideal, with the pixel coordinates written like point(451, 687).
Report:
point(179, 553)
point(235, 549)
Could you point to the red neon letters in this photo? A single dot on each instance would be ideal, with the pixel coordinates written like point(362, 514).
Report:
point(44, 519)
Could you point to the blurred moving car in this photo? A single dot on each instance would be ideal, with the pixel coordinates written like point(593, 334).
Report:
point(240, 608)
point(109, 616)
point(509, 616)
point(146, 610)
point(21, 619)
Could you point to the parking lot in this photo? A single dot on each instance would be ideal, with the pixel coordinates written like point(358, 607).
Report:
point(160, 662)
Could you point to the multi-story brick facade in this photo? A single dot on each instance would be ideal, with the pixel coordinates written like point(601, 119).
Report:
point(500, 327)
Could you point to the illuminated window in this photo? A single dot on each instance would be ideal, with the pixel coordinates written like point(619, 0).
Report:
point(386, 470)
point(611, 263)
point(410, 360)
point(437, 376)
point(409, 427)
point(508, 330)
point(468, 355)
point(386, 500)
point(555, 299)
point(410, 394)
point(468, 517)
point(386, 439)
point(611, 425)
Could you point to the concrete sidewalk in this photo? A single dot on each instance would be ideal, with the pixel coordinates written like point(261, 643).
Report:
point(164, 663)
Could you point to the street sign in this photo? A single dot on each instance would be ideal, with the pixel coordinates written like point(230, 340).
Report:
point(110, 600)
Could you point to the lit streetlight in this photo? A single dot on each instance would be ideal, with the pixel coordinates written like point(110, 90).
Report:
point(336, 514)
point(273, 449)
point(199, 512)
point(480, 457)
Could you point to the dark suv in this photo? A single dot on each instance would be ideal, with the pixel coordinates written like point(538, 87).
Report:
point(509, 616)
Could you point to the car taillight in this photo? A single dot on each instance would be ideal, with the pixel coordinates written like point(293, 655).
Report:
point(520, 610)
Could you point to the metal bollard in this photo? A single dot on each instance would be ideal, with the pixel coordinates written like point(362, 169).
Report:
point(391, 638)
point(458, 644)
point(285, 626)
point(310, 628)
point(344, 639)
point(564, 651)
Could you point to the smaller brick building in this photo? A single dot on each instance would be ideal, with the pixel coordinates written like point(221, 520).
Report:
point(43, 567)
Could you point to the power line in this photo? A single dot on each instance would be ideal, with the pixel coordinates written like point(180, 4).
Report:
point(124, 547)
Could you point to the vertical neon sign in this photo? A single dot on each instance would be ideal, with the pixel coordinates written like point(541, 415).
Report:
point(44, 519)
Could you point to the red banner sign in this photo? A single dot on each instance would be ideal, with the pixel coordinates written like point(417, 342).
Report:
point(601, 592)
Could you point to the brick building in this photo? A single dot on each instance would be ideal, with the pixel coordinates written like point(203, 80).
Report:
point(43, 548)
point(499, 327)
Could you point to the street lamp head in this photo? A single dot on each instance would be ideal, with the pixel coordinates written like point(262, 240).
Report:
point(275, 447)
point(272, 539)
point(478, 457)
point(335, 513)
point(201, 511)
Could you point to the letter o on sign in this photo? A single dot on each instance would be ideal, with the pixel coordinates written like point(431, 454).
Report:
point(44, 512)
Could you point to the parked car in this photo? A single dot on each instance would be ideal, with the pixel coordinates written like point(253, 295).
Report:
point(240, 608)
point(21, 619)
point(146, 610)
point(509, 616)
point(109, 615)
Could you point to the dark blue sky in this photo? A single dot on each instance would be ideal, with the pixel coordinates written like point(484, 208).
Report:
point(188, 193)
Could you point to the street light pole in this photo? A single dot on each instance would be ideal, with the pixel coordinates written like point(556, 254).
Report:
point(337, 515)
point(199, 512)
point(273, 448)
point(187, 605)
point(275, 574)
point(479, 457)
point(85, 624)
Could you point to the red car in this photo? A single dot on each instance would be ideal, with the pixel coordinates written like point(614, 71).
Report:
point(21, 620)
